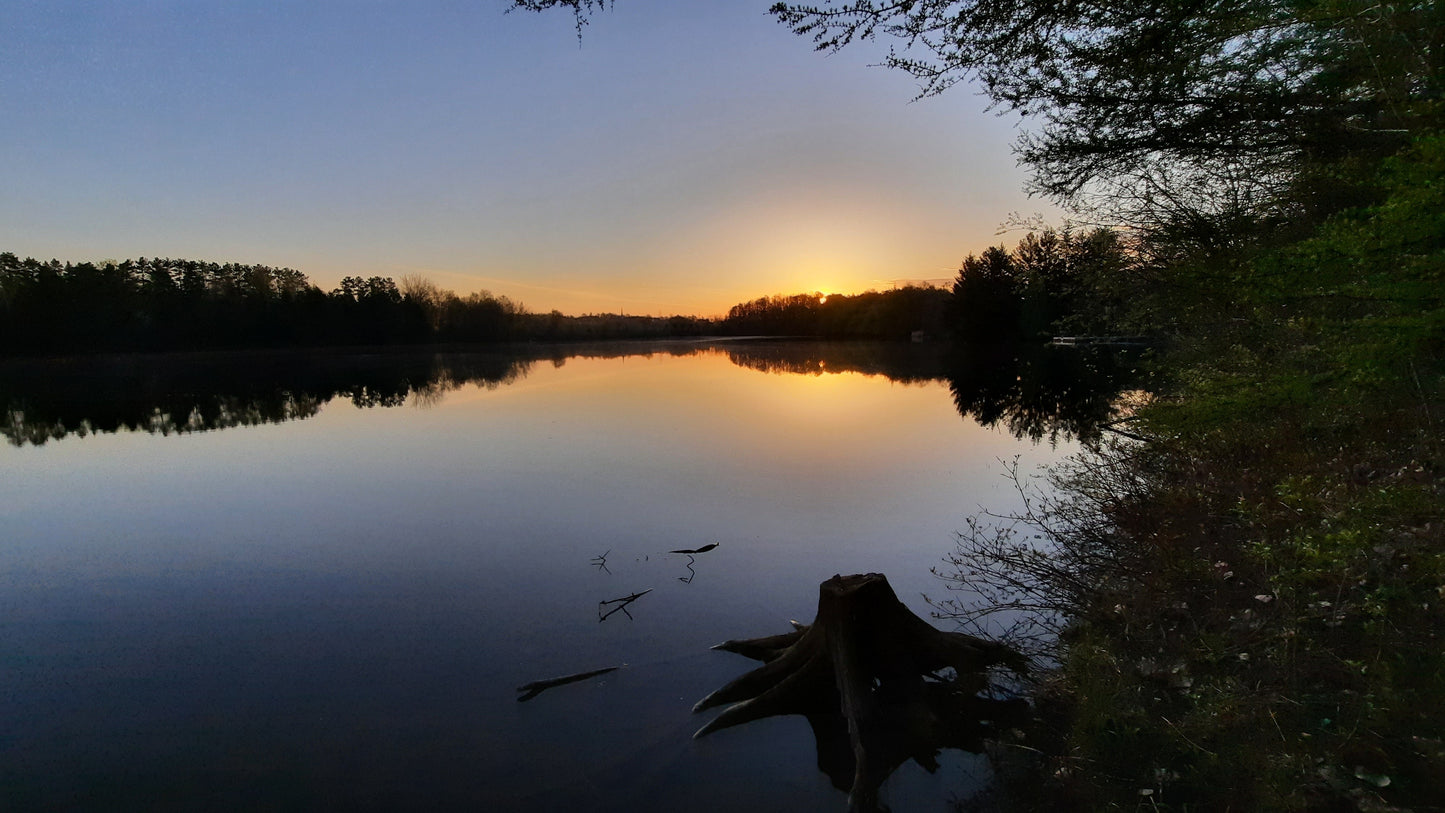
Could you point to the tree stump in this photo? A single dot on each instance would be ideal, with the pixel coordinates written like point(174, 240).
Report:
point(870, 676)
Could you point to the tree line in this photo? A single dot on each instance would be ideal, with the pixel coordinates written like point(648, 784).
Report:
point(164, 304)
point(153, 304)
point(1050, 282)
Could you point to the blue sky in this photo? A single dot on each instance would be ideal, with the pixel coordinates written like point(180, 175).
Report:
point(683, 157)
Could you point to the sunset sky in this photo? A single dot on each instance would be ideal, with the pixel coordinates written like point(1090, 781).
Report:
point(683, 157)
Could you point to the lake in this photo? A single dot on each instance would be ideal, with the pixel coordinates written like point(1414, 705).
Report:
point(315, 580)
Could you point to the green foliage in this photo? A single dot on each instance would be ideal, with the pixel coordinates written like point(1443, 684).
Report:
point(1255, 594)
point(1168, 114)
point(1298, 448)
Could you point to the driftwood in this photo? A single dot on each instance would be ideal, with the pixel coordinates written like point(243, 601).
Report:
point(878, 685)
point(704, 549)
point(536, 687)
point(621, 605)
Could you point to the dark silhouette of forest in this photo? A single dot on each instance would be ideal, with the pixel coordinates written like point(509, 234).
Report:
point(1050, 282)
point(895, 314)
point(52, 308)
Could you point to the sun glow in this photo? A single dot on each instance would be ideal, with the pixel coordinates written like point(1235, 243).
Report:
point(823, 241)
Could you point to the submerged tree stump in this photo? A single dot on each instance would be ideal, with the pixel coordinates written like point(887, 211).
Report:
point(872, 679)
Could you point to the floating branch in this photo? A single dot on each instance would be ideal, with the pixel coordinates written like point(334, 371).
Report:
point(704, 549)
point(600, 562)
point(621, 605)
point(536, 687)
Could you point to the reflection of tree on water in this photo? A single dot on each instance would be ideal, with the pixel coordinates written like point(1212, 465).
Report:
point(1035, 392)
point(1040, 391)
point(48, 399)
point(167, 395)
point(898, 361)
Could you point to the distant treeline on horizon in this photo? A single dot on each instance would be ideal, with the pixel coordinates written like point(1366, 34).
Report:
point(166, 304)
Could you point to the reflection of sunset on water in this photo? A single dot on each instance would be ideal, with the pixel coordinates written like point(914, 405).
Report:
point(426, 537)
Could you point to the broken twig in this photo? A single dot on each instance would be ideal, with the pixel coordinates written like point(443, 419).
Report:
point(621, 605)
point(536, 687)
point(704, 549)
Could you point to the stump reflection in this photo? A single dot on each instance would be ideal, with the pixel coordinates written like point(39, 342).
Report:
point(877, 684)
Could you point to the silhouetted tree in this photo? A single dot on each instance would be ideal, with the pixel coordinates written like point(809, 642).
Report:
point(164, 304)
point(895, 314)
point(987, 298)
point(1051, 282)
point(1169, 110)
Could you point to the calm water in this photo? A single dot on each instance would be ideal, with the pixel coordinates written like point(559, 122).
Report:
point(318, 582)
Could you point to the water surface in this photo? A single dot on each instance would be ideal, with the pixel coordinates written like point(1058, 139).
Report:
point(319, 583)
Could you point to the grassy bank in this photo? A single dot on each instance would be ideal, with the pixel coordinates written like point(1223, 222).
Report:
point(1254, 596)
